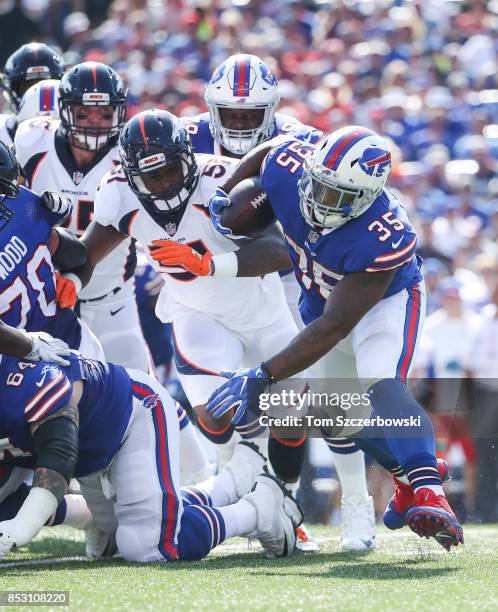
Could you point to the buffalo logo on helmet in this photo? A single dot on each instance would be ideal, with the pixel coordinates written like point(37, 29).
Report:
point(374, 161)
point(218, 73)
point(267, 74)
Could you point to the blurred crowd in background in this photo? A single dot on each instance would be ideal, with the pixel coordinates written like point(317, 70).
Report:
point(421, 72)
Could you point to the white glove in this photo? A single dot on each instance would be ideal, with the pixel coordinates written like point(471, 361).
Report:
point(46, 348)
point(6, 540)
point(57, 203)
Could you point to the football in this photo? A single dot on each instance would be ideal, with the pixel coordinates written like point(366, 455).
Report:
point(250, 212)
point(53, 242)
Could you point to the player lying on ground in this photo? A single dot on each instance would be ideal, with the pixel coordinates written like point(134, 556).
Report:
point(117, 432)
point(353, 251)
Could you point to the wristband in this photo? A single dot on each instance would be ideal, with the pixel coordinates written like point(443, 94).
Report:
point(225, 264)
point(36, 510)
point(76, 280)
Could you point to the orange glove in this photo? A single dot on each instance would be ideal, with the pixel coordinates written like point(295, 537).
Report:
point(66, 294)
point(168, 253)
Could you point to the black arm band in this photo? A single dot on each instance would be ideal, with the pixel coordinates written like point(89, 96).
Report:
point(56, 444)
point(71, 252)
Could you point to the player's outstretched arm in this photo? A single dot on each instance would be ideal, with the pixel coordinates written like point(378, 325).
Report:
point(263, 254)
point(55, 440)
point(349, 301)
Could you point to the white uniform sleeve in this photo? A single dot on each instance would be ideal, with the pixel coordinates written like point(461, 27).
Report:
point(32, 136)
point(107, 203)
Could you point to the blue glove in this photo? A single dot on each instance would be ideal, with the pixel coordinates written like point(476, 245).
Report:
point(217, 202)
point(235, 393)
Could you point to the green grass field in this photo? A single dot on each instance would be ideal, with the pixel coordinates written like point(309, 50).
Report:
point(404, 573)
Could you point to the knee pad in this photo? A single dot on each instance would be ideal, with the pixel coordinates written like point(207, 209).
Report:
point(133, 546)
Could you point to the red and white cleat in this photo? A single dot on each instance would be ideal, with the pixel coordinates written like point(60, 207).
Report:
point(432, 516)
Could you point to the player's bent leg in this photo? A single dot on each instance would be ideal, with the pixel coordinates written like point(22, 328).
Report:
point(237, 478)
point(145, 476)
point(203, 347)
point(116, 324)
point(194, 464)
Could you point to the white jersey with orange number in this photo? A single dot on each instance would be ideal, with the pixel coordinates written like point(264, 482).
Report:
point(241, 303)
point(47, 163)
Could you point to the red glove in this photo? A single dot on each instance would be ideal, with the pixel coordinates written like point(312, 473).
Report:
point(66, 294)
point(172, 254)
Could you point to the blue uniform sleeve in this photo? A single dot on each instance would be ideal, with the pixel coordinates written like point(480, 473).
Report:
point(33, 393)
point(383, 240)
point(285, 124)
point(199, 132)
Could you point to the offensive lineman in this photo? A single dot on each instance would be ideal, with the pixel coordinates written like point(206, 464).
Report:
point(353, 250)
point(242, 98)
point(71, 156)
point(116, 431)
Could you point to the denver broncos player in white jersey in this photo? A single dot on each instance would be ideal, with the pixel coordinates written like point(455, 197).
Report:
point(71, 155)
point(223, 301)
point(242, 98)
point(27, 66)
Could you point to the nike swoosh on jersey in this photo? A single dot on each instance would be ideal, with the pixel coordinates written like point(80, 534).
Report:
point(395, 245)
point(115, 312)
point(42, 380)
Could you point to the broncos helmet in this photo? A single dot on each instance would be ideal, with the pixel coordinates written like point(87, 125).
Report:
point(29, 64)
point(343, 176)
point(91, 84)
point(159, 163)
point(9, 181)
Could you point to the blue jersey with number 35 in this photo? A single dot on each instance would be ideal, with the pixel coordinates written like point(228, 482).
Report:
point(30, 392)
point(27, 283)
point(382, 238)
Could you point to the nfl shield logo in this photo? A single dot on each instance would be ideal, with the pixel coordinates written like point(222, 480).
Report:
point(77, 176)
point(170, 228)
point(313, 236)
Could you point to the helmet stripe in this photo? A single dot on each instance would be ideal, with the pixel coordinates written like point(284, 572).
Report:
point(342, 146)
point(46, 98)
point(94, 72)
point(241, 77)
point(141, 124)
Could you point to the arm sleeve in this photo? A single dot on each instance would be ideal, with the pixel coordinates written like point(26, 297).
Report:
point(107, 203)
point(51, 396)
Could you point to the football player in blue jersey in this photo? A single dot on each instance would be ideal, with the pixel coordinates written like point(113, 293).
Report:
point(242, 98)
point(117, 432)
point(362, 293)
point(27, 282)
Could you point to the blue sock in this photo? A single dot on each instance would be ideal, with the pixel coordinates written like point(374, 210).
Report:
point(202, 529)
point(342, 446)
point(11, 504)
point(194, 496)
point(411, 443)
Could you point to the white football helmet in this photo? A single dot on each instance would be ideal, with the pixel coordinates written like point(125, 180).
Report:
point(343, 177)
point(41, 99)
point(242, 82)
